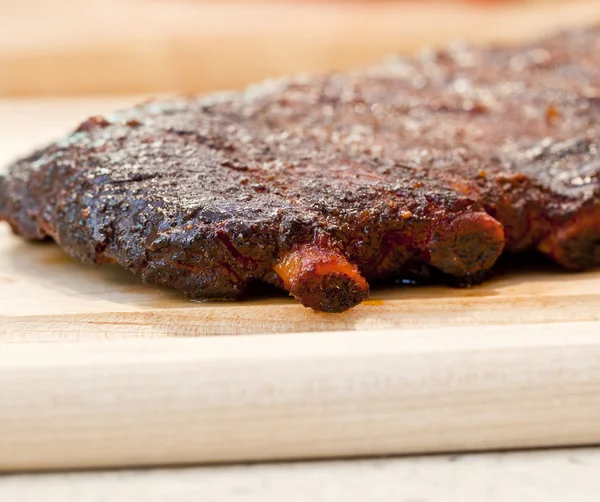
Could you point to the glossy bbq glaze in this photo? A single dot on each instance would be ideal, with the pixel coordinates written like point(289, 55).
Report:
point(317, 184)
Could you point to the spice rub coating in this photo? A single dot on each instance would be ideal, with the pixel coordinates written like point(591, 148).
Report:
point(207, 195)
point(321, 184)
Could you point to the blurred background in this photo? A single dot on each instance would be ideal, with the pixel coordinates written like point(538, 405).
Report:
point(59, 48)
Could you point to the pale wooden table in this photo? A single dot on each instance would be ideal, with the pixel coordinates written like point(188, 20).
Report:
point(548, 476)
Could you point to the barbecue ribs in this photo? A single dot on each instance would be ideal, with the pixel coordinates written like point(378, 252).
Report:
point(318, 185)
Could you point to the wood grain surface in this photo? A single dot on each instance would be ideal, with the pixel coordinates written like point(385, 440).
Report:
point(98, 370)
point(70, 47)
point(265, 397)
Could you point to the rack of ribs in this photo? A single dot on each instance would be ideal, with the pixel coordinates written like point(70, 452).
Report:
point(321, 184)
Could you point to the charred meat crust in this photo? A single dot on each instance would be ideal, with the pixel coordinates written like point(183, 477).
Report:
point(438, 162)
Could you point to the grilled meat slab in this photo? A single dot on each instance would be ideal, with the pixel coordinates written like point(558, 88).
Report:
point(320, 184)
point(189, 197)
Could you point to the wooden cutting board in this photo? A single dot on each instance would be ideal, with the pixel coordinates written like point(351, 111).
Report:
point(97, 369)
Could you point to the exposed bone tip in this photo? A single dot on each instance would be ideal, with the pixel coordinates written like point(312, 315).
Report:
point(575, 244)
point(468, 244)
point(322, 278)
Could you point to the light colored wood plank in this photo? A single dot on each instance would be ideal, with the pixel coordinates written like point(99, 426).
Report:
point(127, 46)
point(298, 396)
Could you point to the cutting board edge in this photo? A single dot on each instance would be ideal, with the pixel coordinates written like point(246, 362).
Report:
point(170, 401)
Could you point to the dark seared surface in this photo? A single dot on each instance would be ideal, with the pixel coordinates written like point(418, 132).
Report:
point(525, 122)
point(186, 196)
point(392, 166)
